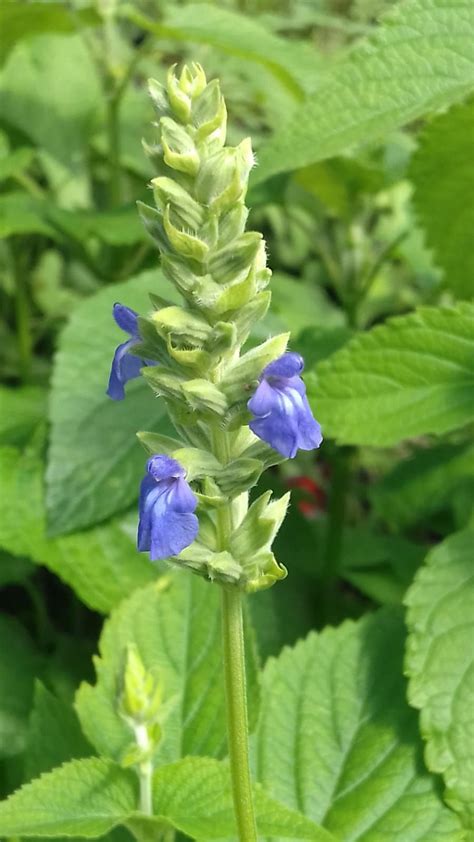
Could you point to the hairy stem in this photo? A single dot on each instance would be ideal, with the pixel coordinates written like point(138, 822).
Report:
point(145, 772)
point(22, 315)
point(234, 673)
point(237, 724)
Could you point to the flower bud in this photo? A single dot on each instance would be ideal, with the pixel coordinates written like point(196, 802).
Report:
point(188, 245)
point(185, 210)
point(180, 100)
point(159, 98)
point(140, 694)
point(210, 116)
point(223, 177)
point(179, 151)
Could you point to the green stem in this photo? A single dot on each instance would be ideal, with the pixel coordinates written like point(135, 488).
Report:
point(145, 772)
point(113, 137)
point(22, 313)
point(237, 724)
point(234, 671)
point(336, 512)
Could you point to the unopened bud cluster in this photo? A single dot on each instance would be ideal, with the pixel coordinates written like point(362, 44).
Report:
point(139, 705)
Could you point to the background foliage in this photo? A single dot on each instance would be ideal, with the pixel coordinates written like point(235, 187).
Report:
point(363, 127)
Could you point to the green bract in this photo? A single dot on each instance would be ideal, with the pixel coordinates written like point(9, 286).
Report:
point(220, 270)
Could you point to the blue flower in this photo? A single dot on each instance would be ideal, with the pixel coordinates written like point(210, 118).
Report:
point(125, 366)
point(167, 521)
point(283, 417)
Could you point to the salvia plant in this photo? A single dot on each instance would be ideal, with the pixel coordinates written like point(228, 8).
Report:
point(236, 411)
point(194, 654)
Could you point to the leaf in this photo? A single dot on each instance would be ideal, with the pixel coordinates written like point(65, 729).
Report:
point(379, 565)
point(411, 376)
point(15, 162)
point(14, 571)
point(102, 565)
point(443, 176)
point(419, 59)
point(440, 665)
point(17, 670)
point(424, 483)
point(54, 734)
point(302, 305)
point(175, 625)
point(337, 741)
point(50, 91)
point(22, 214)
point(83, 798)
point(21, 410)
point(90, 797)
point(19, 21)
point(295, 64)
point(95, 461)
point(196, 796)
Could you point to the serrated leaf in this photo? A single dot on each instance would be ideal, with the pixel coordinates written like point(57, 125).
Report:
point(102, 565)
point(424, 483)
point(83, 798)
point(443, 176)
point(419, 59)
point(338, 742)
point(175, 625)
point(18, 21)
point(379, 565)
point(411, 376)
point(54, 734)
point(17, 670)
point(21, 410)
point(440, 665)
point(196, 796)
point(95, 461)
point(90, 797)
point(296, 65)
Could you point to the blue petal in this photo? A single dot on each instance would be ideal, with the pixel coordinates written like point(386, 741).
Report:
point(162, 467)
point(279, 427)
point(171, 533)
point(124, 367)
point(263, 400)
point(126, 319)
point(288, 365)
point(149, 492)
point(181, 498)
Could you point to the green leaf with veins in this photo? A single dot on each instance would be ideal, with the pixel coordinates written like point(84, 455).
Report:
point(54, 734)
point(21, 410)
point(90, 797)
point(18, 21)
point(176, 626)
point(338, 742)
point(295, 65)
point(102, 565)
point(418, 59)
point(443, 176)
point(95, 461)
point(440, 666)
point(411, 376)
point(424, 483)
